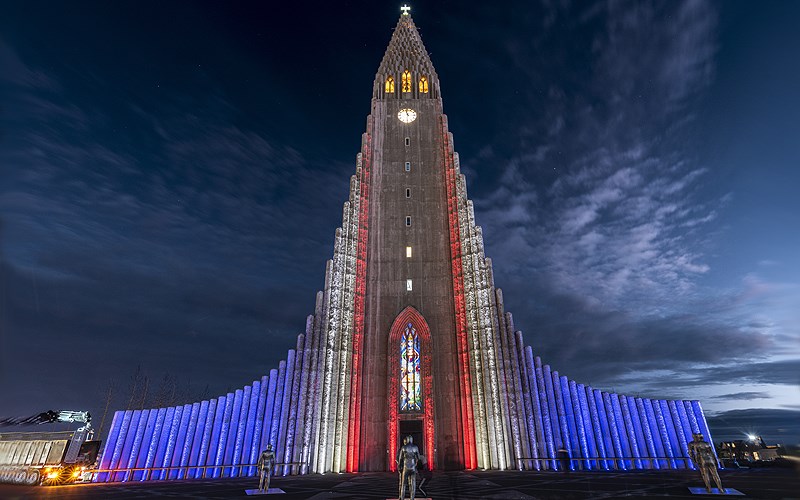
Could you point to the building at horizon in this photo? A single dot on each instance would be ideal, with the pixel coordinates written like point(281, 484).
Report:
point(409, 336)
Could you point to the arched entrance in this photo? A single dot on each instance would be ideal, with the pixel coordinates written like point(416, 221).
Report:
point(410, 384)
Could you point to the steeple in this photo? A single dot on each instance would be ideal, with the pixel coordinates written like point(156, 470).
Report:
point(406, 71)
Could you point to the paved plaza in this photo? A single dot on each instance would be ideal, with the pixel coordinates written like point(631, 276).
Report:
point(753, 483)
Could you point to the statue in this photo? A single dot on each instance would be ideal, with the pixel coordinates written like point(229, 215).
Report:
point(265, 464)
point(704, 458)
point(407, 460)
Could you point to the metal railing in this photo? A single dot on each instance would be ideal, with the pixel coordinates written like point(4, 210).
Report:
point(611, 463)
point(188, 472)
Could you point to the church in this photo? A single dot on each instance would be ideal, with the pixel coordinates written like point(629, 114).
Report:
point(409, 336)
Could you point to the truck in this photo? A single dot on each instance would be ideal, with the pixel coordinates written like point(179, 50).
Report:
point(49, 458)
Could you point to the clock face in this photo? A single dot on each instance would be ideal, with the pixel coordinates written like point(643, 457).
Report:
point(407, 115)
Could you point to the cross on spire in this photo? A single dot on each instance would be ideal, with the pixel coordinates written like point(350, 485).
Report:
point(405, 9)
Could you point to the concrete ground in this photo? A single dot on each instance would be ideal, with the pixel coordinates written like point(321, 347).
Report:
point(753, 483)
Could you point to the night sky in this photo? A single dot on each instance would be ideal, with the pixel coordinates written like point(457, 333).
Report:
point(172, 173)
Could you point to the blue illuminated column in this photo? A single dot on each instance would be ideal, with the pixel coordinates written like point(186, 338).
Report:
point(614, 419)
point(111, 442)
point(238, 443)
point(270, 406)
point(630, 430)
point(683, 429)
point(283, 416)
point(297, 410)
point(544, 406)
point(649, 439)
point(258, 426)
point(276, 410)
point(555, 424)
point(233, 432)
point(188, 438)
point(588, 426)
point(144, 447)
point(172, 442)
point(132, 439)
point(569, 415)
point(566, 436)
point(661, 422)
point(528, 393)
point(578, 428)
point(599, 426)
point(180, 441)
point(205, 443)
point(637, 426)
point(247, 444)
point(652, 422)
point(198, 438)
point(224, 431)
point(163, 442)
point(216, 433)
point(155, 439)
point(291, 424)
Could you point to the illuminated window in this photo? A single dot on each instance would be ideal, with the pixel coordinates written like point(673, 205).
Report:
point(389, 86)
point(406, 81)
point(408, 193)
point(408, 141)
point(408, 166)
point(423, 85)
point(410, 376)
point(408, 285)
point(408, 220)
point(408, 252)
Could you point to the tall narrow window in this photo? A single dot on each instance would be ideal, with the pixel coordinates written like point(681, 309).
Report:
point(408, 220)
point(408, 166)
point(408, 141)
point(389, 85)
point(406, 81)
point(410, 375)
point(409, 285)
point(408, 193)
point(423, 85)
point(408, 252)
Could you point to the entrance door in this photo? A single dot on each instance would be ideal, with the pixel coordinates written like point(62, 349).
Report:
point(412, 428)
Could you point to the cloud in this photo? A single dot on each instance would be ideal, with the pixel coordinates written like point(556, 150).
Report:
point(742, 396)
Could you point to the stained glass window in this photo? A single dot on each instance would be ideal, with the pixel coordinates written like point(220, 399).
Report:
point(389, 87)
point(410, 377)
point(423, 85)
point(406, 81)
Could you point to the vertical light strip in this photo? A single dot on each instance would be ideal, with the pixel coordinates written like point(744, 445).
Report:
point(132, 441)
point(115, 437)
point(280, 440)
point(198, 438)
point(208, 428)
point(172, 438)
point(224, 431)
point(238, 445)
point(621, 424)
point(144, 447)
point(250, 428)
point(680, 431)
point(631, 432)
point(163, 444)
point(661, 424)
point(588, 428)
point(180, 441)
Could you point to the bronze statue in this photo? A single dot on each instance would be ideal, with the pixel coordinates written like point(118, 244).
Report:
point(265, 464)
point(407, 460)
point(704, 458)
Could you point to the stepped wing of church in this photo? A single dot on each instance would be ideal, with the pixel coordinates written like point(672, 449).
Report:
point(409, 337)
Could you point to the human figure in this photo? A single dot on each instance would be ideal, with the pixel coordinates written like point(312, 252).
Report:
point(407, 459)
point(265, 464)
point(562, 455)
point(704, 458)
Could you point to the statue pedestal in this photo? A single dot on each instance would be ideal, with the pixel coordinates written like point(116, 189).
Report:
point(700, 490)
point(271, 491)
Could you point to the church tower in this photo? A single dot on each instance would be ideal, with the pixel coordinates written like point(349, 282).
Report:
point(409, 337)
point(413, 370)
